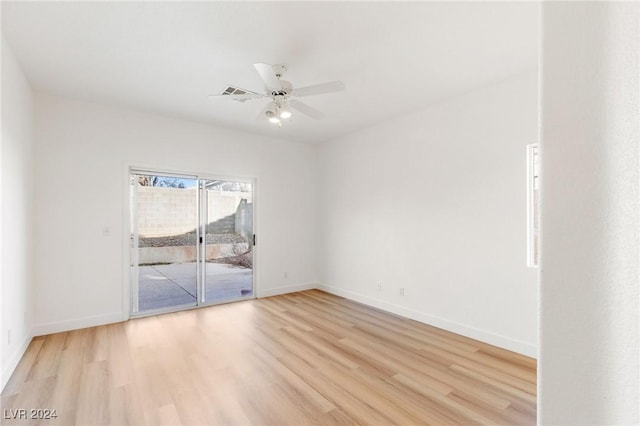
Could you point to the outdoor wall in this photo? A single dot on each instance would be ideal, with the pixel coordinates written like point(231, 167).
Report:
point(182, 254)
point(166, 211)
point(16, 223)
point(244, 219)
point(83, 151)
point(435, 203)
point(173, 211)
point(589, 300)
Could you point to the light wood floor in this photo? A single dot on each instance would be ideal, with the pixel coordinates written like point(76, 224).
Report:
point(299, 359)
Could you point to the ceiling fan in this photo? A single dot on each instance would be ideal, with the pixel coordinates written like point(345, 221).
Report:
point(281, 94)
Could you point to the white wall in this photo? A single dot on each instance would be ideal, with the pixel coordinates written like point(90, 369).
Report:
point(17, 192)
point(82, 147)
point(434, 202)
point(588, 369)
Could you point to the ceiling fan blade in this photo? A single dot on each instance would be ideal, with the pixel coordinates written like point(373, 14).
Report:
point(241, 98)
point(306, 109)
point(318, 89)
point(268, 75)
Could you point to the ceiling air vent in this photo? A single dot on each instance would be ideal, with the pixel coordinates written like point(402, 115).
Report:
point(234, 91)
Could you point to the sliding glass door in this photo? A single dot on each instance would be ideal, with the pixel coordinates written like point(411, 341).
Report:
point(191, 241)
point(227, 272)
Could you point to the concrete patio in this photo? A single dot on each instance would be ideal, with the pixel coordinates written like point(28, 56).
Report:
point(164, 286)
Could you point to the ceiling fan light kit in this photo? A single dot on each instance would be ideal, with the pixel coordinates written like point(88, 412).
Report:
point(285, 112)
point(281, 93)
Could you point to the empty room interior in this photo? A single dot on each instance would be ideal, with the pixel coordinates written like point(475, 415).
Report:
point(297, 213)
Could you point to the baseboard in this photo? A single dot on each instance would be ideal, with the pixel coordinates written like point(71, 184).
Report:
point(518, 346)
point(8, 370)
point(286, 289)
point(75, 324)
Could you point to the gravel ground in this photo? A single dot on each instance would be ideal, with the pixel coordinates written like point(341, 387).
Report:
point(189, 239)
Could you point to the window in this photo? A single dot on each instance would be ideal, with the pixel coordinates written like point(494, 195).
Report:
point(533, 204)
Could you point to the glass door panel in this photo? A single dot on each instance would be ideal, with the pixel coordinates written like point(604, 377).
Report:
point(227, 248)
point(164, 241)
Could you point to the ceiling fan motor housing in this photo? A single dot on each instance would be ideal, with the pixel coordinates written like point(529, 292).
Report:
point(284, 90)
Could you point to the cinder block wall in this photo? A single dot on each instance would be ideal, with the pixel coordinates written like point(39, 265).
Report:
point(173, 211)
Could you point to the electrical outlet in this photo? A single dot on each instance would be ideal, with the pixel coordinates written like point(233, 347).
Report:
point(286, 275)
point(401, 291)
point(379, 286)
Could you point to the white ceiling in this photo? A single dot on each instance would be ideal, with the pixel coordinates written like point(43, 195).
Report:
point(166, 57)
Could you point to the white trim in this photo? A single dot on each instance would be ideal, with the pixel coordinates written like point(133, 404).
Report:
point(521, 347)
point(14, 360)
point(126, 248)
point(256, 268)
point(144, 172)
point(170, 171)
point(182, 308)
point(76, 324)
point(287, 289)
point(532, 261)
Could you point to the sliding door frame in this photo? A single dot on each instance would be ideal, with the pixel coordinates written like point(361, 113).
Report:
point(129, 256)
point(202, 249)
